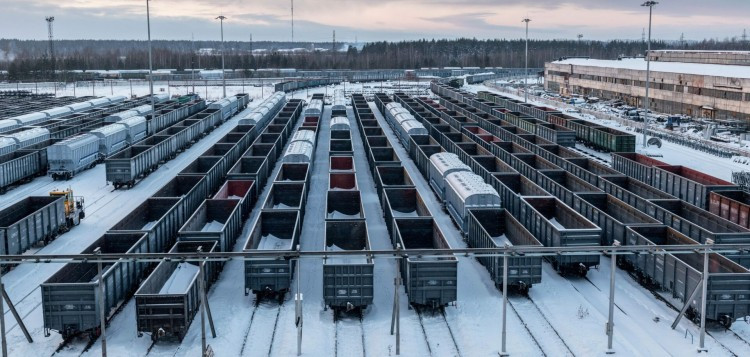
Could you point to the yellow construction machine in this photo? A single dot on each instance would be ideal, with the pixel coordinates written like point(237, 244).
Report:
point(74, 206)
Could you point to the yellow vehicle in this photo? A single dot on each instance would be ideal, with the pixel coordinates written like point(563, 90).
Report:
point(74, 206)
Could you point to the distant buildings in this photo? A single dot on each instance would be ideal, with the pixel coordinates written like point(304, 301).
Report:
point(708, 84)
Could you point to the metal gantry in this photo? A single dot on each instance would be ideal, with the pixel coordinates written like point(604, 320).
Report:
point(650, 5)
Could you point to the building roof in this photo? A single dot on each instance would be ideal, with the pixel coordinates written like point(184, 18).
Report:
point(717, 70)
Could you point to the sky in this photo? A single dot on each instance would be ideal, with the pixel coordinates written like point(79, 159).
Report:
point(372, 20)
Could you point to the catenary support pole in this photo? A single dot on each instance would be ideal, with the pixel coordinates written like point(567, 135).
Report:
point(298, 310)
point(503, 350)
point(203, 307)
point(650, 5)
point(2, 321)
point(150, 62)
point(704, 296)
point(611, 320)
point(13, 311)
point(687, 303)
point(102, 315)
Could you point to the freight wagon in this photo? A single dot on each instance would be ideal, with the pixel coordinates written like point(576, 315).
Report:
point(441, 165)
point(689, 185)
point(348, 281)
point(191, 190)
point(608, 139)
point(168, 300)
point(391, 177)
point(632, 191)
point(497, 228)
point(293, 173)
point(287, 196)
point(403, 202)
point(158, 218)
point(464, 191)
point(218, 221)
point(428, 281)
point(22, 166)
point(299, 152)
point(240, 190)
point(70, 297)
point(637, 166)
point(31, 221)
point(512, 187)
point(557, 225)
point(699, 224)
point(588, 169)
point(341, 164)
point(731, 205)
point(563, 185)
point(678, 276)
point(277, 231)
point(342, 181)
point(611, 215)
point(112, 138)
point(72, 156)
point(253, 168)
point(557, 134)
point(344, 204)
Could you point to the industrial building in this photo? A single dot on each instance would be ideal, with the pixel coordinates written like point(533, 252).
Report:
point(701, 84)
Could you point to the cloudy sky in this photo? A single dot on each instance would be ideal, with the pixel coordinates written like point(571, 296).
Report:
point(372, 20)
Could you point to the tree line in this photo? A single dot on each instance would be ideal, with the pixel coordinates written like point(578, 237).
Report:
point(30, 60)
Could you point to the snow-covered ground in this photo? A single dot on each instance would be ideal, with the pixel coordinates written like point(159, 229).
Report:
point(563, 316)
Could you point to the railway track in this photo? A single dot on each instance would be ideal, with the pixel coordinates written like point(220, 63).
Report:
point(438, 332)
point(344, 342)
point(263, 316)
point(531, 317)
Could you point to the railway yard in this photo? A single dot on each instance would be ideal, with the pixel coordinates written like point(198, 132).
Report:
point(350, 172)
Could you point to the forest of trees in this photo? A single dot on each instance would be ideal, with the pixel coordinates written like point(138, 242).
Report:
point(26, 59)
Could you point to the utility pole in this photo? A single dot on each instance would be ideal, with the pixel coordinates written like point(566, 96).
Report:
point(50, 20)
point(150, 62)
point(744, 35)
point(526, 77)
point(650, 5)
point(333, 48)
point(682, 40)
point(292, 23)
point(192, 60)
point(643, 35)
point(223, 74)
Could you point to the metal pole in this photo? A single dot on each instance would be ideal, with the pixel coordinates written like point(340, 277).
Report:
point(526, 71)
point(503, 351)
point(93, 88)
point(687, 303)
point(704, 296)
point(150, 61)
point(223, 73)
point(610, 322)
point(130, 81)
point(398, 308)
point(2, 319)
point(298, 310)
point(13, 310)
point(102, 318)
point(650, 5)
point(203, 307)
point(192, 60)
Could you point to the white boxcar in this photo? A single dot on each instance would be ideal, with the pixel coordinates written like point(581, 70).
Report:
point(112, 138)
point(76, 107)
point(264, 110)
point(98, 102)
point(32, 118)
point(340, 123)
point(137, 127)
point(304, 135)
point(408, 128)
point(441, 165)
point(133, 112)
point(7, 146)
point(464, 191)
point(8, 125)
point(56, 112)
point(72, 155)
point(314, 109)
point(30, 137)
point(299, 152)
